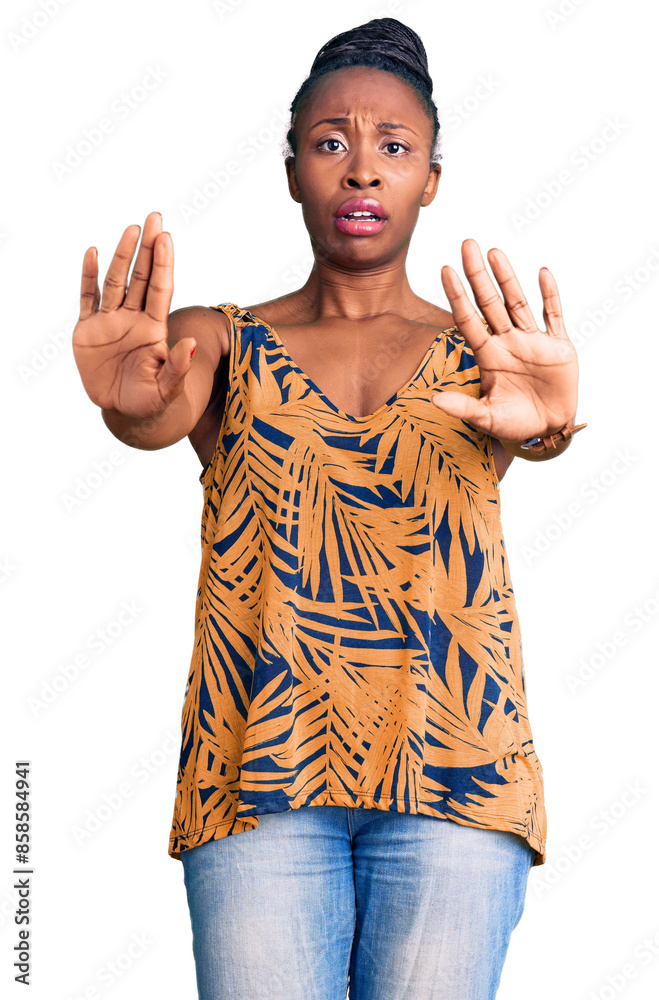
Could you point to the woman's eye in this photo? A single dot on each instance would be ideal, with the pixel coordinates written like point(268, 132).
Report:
point(335, 141)
point(333, 146)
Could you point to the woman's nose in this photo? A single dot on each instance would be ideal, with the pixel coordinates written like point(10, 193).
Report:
point(357, 180)
point(362, 170)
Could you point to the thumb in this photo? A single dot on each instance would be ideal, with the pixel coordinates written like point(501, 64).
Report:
point(464, 407)
point(177, 365)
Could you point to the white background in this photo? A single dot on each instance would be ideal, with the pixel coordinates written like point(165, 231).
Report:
point(580, 530)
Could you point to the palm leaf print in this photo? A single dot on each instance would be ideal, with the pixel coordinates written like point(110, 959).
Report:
point(356, 636)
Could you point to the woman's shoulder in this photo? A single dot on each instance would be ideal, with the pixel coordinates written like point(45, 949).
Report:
point(441, 318)
point(287, 309)
point(435, 315)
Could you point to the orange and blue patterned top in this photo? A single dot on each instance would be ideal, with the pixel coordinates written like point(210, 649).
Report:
point(356, 635)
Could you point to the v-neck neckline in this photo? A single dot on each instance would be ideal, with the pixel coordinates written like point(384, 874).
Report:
point(318, 391)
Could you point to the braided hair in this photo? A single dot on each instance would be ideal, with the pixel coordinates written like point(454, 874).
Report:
point(383, 43)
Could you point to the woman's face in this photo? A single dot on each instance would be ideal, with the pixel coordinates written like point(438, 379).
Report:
point(377, 147)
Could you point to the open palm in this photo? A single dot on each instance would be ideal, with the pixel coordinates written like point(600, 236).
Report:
point(120, 340)
point(528, 377)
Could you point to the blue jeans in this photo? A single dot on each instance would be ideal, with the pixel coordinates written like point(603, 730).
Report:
point(324, 902)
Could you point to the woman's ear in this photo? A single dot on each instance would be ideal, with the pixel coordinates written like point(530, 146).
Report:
point(292, 178)
point(431, 186)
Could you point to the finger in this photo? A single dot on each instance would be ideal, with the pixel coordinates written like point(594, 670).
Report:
point(551, 305)
point(467, 319)
point(176, 366)
point(459, 404)
point(486, 295)
point(516, 305)
point(90, 295)
point(139, 279)
point(161, 282)
point(114, 286)
point(515, 302)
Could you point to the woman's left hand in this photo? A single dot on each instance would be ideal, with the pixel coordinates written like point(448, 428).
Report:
point(528, 378)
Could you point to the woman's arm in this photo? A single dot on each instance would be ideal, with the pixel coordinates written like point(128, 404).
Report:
point(502, 458)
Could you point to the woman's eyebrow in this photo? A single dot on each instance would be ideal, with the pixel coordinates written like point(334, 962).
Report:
point(381, 126)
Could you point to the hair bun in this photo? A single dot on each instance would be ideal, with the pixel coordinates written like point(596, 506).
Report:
point(383, 36)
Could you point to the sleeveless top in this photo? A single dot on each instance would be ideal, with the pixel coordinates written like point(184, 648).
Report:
point(356, 635)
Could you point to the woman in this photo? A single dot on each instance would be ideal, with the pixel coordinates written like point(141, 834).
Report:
point(357, 647)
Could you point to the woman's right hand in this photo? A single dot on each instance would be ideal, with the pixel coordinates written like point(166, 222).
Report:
point(120, 341)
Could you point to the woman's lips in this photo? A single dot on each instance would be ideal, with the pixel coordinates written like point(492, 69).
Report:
point(360, 225)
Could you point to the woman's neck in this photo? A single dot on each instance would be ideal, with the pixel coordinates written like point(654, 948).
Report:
point(331, 291)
